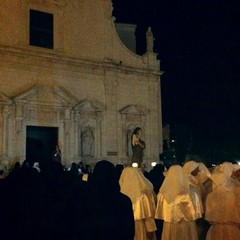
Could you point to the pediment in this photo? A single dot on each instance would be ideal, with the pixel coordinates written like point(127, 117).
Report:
point(86, 106)
point(63, 95)
point(133, 109)
point(46, 95)
point(4, 100)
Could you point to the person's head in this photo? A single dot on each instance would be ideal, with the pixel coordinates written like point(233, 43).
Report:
point(191, 168)
point(36, 166)
point(159, 168)
point(88, 168)
point(74, 169)
point(143, 167)
point(175, 183)
point(80, 164)
point(137, 131)
point(104, 177)
point(222, 174)
point(133, 182)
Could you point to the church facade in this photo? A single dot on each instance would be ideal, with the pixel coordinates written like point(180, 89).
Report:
point(67, 79)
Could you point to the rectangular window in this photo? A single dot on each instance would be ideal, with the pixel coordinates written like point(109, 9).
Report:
point(41, 29)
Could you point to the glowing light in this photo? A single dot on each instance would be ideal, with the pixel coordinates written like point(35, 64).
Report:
point(134, 164)
point(153, 164)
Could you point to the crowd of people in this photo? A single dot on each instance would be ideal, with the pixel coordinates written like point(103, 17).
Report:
point(114, 202)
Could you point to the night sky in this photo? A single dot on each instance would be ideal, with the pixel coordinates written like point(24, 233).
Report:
point(198, 43)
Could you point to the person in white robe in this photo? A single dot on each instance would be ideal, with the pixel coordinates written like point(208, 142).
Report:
point(140, 190)
point(197, 174)
point(223, 203)
point(175, 206)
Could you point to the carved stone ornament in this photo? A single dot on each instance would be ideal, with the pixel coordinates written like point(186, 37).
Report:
point(4, 100)
point(89, 108)
point(133, 109)
point(133, 113)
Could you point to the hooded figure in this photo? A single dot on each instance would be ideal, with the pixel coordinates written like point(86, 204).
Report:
point(223, 204)
point(175, 206)
point(108, 213)
point(198, 176)
point(140, 190)
point(191, 170)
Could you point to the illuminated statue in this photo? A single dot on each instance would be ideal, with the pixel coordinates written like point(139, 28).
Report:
point(150, 40)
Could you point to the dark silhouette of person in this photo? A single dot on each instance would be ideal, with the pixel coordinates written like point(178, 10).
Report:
point(156, 177)
point(107, 212)
point(57, 155)
point(55, 201)
point(119, 168)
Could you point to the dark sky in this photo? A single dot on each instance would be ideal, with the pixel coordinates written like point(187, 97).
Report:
point(198, 43)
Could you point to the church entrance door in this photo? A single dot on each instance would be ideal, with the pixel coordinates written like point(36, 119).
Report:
point(40, 143)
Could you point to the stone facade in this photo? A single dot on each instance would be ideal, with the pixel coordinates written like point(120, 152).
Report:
point(89, 83)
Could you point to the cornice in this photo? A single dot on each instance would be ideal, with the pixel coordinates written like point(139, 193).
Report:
point(42, 58)
point(54, 3)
